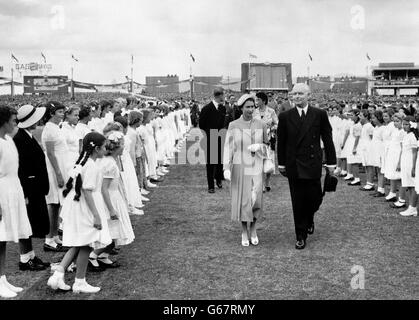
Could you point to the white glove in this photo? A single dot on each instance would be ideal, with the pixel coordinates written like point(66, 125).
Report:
point(227, 175)
point(254, 147)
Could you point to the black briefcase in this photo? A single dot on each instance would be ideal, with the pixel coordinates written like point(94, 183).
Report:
point(330, 182)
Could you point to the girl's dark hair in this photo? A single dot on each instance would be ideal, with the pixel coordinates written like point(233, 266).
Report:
point(90, 142)
point(84, 112)
point(414, 130)
point(379, 115)
point(366, 114)
point(263, 97)
point(134, 117)
point(6, 113)
point(355, 112)
point(122, 120)
point(103, 105)
point(52, 107)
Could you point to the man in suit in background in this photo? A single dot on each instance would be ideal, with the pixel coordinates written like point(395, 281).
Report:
point(300, 158)
point(212, 120)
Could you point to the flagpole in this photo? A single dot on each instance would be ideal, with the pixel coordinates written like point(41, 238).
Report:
point(72, 84)
point(132, 74)
point(248, 74)
point(12, 86)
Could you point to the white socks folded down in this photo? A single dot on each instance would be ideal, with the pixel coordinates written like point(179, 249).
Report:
point(53, 242)
point(24, 258)
point(381, 190)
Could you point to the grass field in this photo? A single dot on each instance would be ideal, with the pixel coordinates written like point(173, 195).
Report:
point(186, 247)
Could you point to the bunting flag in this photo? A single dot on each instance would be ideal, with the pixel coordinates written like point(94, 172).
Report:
point(72, 56)
point(368, 57)
point(14, 58)
point(309, 55)
point(252, 56)
point(193, 58)
point(43, 56)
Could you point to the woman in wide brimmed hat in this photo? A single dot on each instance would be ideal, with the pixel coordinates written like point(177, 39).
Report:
point(244, 150)
point(33, 176)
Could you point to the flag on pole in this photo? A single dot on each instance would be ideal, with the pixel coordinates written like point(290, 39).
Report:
point(72, 56)
point(252, 56)
point(14, 58)
point(132, 59)
point(368, 57)
point(43, 56)
point(193, 58)
point(309, 55)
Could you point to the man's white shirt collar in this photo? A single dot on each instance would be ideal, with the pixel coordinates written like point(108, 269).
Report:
point(301, 109)
point(215, 104)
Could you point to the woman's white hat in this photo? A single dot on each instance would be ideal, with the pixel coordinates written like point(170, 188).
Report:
point(243, 99)
point(28, 115)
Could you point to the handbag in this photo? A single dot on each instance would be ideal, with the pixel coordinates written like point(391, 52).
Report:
point(268, 164)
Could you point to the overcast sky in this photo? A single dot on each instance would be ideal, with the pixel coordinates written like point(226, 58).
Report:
point(161, 34)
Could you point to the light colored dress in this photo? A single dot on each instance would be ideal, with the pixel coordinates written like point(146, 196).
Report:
point(78, 220)
point(246, 170)
point(354, 132)
point(377, 147)
point(365, 143)
point(146, 133)
point(393, 154)
point(121, 229)
point(129, 176)
point(387, 131)
point(14, 224)
point(72, 139)
point(406, 163)
point(82, 130)
point(346, 126)
point(336, 124)
point(52, 133)
point(97, 124)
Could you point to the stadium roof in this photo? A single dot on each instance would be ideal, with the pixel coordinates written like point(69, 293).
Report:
point(396, 66)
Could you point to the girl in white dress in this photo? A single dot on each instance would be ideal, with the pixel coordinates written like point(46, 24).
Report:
point(72, 138)
point(115, 198)
point(408, 164)
point(344, 134)
point(387, 129)
point(351, 149)
point(14, 221)
point(129, 176)
point(393, 162)
point(84, 221)
point(150, 145)
point(377, 151)
point(365, 145)
point(82, 128)
point(59, 163)
point(336, 123)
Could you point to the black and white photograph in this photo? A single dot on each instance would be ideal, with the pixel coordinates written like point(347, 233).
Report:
point(216, 152)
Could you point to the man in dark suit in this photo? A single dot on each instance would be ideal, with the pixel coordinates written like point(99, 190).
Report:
point(211, 121)
point(33, 177)
point(300, 158)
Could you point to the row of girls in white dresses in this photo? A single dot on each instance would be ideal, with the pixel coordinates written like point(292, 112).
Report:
point(387, 146)
point(153, 141)
point(158, 140)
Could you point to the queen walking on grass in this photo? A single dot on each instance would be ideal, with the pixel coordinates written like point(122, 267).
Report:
point(244, 150)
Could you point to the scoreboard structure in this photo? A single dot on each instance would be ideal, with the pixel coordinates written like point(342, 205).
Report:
point(45, 84)
point(266, 76)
